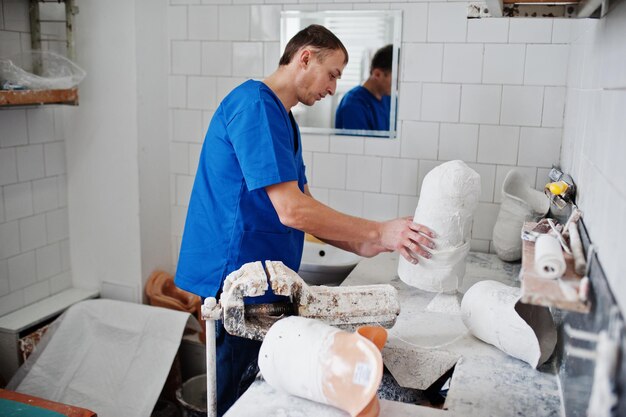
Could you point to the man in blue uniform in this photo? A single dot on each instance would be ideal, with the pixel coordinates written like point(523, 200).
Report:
point(250, 201)
point(367, 106)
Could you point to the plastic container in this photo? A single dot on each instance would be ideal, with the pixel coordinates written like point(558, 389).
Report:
point(192, 396)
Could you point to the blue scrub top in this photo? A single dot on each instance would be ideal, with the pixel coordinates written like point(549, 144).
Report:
point(360, 109)
point(252, 142)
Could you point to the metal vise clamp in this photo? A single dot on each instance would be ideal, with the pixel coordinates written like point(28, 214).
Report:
point(343, 307)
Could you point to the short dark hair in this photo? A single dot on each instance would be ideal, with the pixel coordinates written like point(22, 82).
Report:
point(382, 58)
point(316, 36)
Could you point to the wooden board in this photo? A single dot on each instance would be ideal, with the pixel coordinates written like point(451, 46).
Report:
point(28, 97)
point(549, 292)
point(62, 409)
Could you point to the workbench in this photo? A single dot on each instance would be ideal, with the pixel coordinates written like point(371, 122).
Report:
point(429, 338)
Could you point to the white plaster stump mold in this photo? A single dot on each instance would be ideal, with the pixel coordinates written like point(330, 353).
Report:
point(310, 359)
point(520, 203)
point(448, 199)
point(493, 313)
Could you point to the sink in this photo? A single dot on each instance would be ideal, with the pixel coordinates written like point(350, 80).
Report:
point(323, 264)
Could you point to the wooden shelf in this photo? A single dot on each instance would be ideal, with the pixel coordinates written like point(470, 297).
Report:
point(35, 97)
point(560, 293)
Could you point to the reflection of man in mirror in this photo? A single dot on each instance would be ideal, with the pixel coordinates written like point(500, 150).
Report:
point(251, 202)
point(366, 107)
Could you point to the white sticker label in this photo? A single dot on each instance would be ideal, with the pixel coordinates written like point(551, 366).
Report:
point(362, 373)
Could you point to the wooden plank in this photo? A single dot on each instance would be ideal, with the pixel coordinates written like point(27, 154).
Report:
point(29, 97)
point(560, 293)
point(63, 409)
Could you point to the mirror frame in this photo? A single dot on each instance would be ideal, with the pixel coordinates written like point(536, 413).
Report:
point(396, 16)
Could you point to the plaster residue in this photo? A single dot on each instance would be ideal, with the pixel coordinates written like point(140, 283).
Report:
point(448, 199)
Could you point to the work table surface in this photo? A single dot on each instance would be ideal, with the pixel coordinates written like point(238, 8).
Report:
point(427, 339)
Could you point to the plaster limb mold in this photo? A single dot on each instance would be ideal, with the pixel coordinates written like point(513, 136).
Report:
point(520, 203)
point(310, 359)
point(448, 199)
point(493, 313)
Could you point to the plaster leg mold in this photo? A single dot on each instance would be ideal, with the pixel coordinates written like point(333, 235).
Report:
point(520, 203)
point(310, 359)
point(493, 313)
point(448, 199)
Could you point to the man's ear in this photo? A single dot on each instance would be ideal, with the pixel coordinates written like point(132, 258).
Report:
point(304, 57)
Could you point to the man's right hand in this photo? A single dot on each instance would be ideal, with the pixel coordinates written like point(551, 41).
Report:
point(408, 238)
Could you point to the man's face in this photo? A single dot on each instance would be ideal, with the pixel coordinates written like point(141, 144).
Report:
point(319, 78)
point(383, 79)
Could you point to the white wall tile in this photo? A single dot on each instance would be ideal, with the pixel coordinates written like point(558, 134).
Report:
point(307, 158)
point(481, 103)
point(488, 30)
point(462, 63)
point(188, 126)
point(30, 163)
point(48, 261)
point(265, 23)
point(4, 271)
point(177, 91)
point(184, 185)
point(447, 22)
point(400, 176)
point(202, 22)
point(407, 205)
point(484, 220)
point(561, 30)
point(546, 64)
point(217, 58)
point(16, 16)
point(504, 64)
point(54, 157)
point(32, 232)
point(320, 194)
point(62, 190)
point(458, 141)
point(1, 206)
point(521, 105)
point(13, 132)
point(540, 147)
point(201, 92)
point(177, 22)
point(60, 282)
point(179, 158)
point(498, 144)
point(553, 107)
point(542, 178)
point(57, 225)
point(186, 57)
point(22, 271)
point(179, 215)
point(271, 56)
point(347, 144)
point(36, 292)
point(18, 201)
point(9, 42)
point(487, 180)
point(530, 30)
point(529, 174)
point(382, 147)
point(420, 140)
point(8, 166)
point(349, 202)
point(315, 143)
point(234, 23)
point(417, 14)
point(194, 157)
point(409, 101)
point(227, 84)
point(248, 59)
point(380, 206)
point(440, 102)
point(329, 171)
point(422, 62)
point(364, 173)
point(9, 239)
point(40, 125)
point(425, 167)
point(11, 302)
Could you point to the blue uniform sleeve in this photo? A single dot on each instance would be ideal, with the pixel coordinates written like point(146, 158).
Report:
point(353, 114)
point(262, 139)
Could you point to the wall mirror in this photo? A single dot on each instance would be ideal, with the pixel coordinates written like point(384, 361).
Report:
point(362, 33)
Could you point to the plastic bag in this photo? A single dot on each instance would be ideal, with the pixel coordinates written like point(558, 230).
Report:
point(57, 72)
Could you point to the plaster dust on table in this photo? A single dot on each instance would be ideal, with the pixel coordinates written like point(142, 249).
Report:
point(448, 199)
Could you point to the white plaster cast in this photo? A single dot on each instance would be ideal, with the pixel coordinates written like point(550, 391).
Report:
point(549, 259)
point(493, 313)
point(448, 199)
point(520, 203)
point(313, 360)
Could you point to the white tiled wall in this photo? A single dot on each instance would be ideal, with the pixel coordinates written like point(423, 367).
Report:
point(594, 137)
point(34, 244)
point(488, 91)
